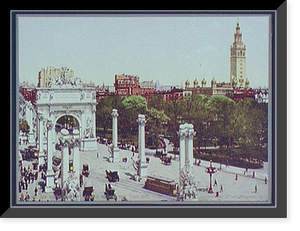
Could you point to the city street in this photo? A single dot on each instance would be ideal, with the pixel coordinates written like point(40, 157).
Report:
point(238, 185)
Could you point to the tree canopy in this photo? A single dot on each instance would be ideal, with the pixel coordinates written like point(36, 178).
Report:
point(217, 120)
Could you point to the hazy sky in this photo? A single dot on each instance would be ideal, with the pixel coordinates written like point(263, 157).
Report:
point(169, 49)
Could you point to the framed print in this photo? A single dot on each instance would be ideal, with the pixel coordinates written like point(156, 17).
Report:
point(144, 110)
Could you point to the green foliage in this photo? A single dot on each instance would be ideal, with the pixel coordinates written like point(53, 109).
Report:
point(240, 129)
point(104, 109)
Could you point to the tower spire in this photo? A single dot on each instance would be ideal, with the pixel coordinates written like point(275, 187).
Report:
point(238, 60)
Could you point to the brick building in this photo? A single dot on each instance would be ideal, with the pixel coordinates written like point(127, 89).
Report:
point(127, 85)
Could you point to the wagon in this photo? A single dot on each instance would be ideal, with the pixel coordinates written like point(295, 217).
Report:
point(88, 191)
point(85, 170)
point(160, 154)
point(110, 193)
point(166, 160)
point(112, 176)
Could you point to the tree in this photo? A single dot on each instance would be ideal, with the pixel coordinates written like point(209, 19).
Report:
point(252, 120)
point(104, 109)
point(157, 102)
point(133, 106)
point(155, 124)
point(195, 112)
point(222, 119)
point(174, 112)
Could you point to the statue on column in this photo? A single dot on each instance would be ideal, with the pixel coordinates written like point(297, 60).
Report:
point(187, 188)
point(187, 185)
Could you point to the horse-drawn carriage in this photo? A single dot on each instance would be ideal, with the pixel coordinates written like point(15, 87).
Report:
point(88, 191)
point(29, 153)
point(85, 170)
point(166, 160)
point(110, 193)
point(160, 153)
point(112, 176)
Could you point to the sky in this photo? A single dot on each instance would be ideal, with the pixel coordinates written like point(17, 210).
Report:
point(170, 49)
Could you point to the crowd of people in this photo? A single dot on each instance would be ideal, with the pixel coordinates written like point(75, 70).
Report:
point(27, 176)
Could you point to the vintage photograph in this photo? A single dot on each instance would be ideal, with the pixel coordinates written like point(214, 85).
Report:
point(144, 109)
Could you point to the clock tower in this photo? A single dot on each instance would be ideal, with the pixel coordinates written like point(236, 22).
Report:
point(238, 60)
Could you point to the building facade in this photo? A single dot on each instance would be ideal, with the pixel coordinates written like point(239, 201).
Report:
point(127, 85)
point(238, 60)
point(46, 75)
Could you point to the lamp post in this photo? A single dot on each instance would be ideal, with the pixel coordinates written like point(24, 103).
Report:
point(210, 170)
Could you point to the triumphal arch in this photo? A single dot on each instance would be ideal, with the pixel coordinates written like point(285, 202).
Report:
point(65, 95)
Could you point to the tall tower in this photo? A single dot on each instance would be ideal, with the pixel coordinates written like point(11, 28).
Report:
point(237, 60)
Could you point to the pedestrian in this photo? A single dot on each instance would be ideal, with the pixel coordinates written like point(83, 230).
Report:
point(255, 188)
point(215, 184)
point(266, 180)
point(97, 155)
point(35, 191)
point(22, 197)
point(253, 175)
point(236, 176)
point(221, 190)
point(81, 180)
point(199, 162)
point(27, 197)
point(43, 186)
point(22, 184)
point(217, 194)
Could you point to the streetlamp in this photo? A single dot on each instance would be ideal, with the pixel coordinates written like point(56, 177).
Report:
point(210, 170)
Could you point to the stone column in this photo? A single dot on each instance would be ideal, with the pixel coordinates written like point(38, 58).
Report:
point(115, 150)
point(187, 186)
point(181, 133)
point(64, 157)
point(142, 158)
point(31, 139)
point(50, 172)
point(76, 159)
point(189, 144)
point(41, 139)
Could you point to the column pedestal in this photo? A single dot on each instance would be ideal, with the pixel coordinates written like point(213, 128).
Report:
point(187, 186)
point(76, 160)
point(115, 149)
point(50, 173)
point(142, 170)
point(41, 140)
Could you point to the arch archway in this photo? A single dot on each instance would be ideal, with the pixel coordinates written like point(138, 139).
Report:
point(69, 108)
point(68, 122)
